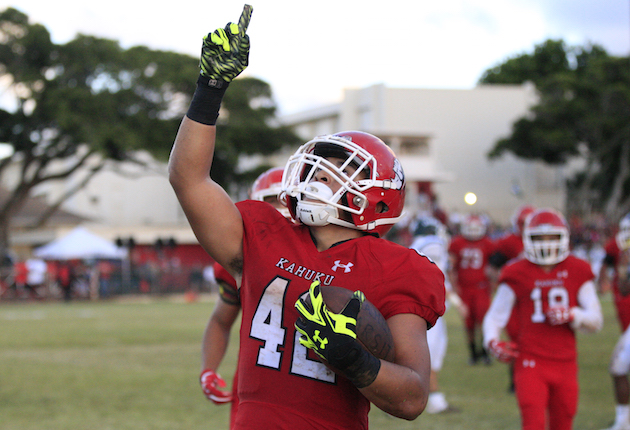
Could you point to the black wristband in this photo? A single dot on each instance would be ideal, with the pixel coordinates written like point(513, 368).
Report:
point(357, 364)
point(206, 102)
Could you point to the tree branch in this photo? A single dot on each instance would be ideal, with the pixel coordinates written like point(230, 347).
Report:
point(69, 193)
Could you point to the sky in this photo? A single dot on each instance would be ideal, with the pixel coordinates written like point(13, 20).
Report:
point(309, 51)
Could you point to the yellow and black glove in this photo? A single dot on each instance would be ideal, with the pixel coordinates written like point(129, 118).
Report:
point(333, 336)
point(225, 51)
point(224, 55)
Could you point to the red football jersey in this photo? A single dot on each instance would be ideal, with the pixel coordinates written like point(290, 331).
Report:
point(471, 259)
point(281, 385)
point(511, 246)
point(536, 290)
point(220, 274)
point(622, 304)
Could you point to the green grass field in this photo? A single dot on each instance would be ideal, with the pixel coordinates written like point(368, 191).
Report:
point(134, 365)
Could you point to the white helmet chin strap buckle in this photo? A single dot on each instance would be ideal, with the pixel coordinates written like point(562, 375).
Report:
point(315, 211)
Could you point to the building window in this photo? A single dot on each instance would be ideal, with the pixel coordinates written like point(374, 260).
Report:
point(408, 145)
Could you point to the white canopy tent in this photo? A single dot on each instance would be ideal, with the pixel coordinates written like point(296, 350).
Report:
point(80, 244)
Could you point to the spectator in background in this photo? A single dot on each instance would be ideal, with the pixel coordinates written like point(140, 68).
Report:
point(65, 277)
point(552, 294)
point(469, 254)
point(16, 279)
point(105, 270)
point(6, 273)
point(195, 282)
point(36, 277)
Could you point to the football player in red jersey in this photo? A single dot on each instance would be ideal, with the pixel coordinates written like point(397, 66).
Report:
point(511, 245)
point(469, 253)
point(614, 248)
point(217, 333)
point(618, 259)
point(507, 248)
point(345, 191)
point(552, 294)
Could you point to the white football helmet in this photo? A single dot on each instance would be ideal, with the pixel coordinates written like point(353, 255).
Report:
point(269, 184)
point(519, 217)
point(623, 236)
point(546, 250)
point(429, 226)
point(371, 182)
point(474, 227)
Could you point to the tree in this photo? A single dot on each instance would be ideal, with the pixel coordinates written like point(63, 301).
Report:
point(87, 103)
point(583, 111)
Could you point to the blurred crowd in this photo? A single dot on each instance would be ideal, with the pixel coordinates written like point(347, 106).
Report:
point(37, 279)
point(167, 271)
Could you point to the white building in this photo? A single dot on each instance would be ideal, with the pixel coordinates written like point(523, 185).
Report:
point(444, 136)
point(440, 136)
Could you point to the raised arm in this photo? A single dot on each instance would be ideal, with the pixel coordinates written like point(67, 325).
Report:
point(211, 213)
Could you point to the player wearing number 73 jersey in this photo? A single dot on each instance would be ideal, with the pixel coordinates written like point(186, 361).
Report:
point(552, 294)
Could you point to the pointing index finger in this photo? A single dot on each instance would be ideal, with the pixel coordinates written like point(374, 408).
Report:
point(246, 16)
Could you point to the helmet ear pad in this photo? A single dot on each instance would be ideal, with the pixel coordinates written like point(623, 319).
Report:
point(382, 204)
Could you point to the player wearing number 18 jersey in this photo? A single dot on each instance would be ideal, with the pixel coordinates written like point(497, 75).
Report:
point(551, 294)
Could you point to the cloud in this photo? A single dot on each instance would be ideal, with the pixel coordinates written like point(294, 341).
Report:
point(310, 51)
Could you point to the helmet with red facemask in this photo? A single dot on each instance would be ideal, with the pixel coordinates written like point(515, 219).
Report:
point(370, 179)
point(269, 184)
point(546, 237)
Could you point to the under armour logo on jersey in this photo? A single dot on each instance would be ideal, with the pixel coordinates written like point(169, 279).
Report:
point(529, 363)
point(346, 267)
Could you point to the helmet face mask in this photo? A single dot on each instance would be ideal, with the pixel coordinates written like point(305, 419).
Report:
point(365, 177)
point(546, 237)
point(474, 227)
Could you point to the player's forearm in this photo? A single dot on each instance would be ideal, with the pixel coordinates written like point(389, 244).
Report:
point(216, 337)
point(402, 388)
point(214, 345)
point(498, 314)
point(588, 316)
point(399, 391)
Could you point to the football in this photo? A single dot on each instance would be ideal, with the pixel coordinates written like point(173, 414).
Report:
point(372, 329)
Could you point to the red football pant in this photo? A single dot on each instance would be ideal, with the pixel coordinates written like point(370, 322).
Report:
point(546, 390)
point(478, 302)
point(622, 304)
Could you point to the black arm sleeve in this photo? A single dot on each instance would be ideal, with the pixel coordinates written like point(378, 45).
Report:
point(497, 260)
